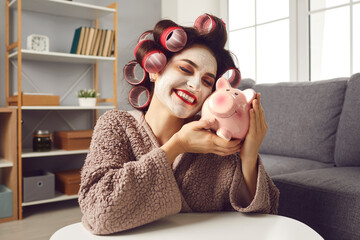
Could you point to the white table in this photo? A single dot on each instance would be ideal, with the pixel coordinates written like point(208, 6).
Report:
point(223, 225)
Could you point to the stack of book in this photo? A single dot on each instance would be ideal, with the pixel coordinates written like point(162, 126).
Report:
point(93, 41)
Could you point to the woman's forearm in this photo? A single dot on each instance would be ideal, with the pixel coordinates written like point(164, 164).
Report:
point(172, 149)
point(250, 170)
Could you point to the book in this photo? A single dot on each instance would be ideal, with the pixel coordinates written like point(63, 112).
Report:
point(81, 40)
point(101, 46)
point(86, 36)
point(89, 41)
point(97, 43)
point(94, 41)
point(111, 43)
point(75, 42)
point(106, 43)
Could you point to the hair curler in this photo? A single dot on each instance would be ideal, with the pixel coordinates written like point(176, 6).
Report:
point(204, 23)
point(139, 97)
point(134, 73)
point(173, 38)
point(151, 59)
point(233, 75)
point(146, 36)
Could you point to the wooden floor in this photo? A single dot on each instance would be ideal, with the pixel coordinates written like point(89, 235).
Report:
point(41, 221)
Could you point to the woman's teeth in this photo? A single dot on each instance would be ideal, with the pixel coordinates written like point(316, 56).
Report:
point(186, 97)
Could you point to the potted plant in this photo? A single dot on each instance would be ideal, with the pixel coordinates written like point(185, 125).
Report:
point(87, 97)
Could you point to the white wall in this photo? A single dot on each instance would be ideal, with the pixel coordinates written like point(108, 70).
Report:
point(184, 12)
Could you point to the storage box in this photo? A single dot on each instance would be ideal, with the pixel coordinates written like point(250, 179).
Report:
point(72, 140)
point(35, 100)
point(68, 182)
point(38, 185)
point(6, 202)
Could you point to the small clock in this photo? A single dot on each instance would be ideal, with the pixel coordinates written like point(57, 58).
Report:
point(38, 43)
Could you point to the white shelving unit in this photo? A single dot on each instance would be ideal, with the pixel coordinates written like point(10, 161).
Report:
point(59, 57)
point(15, 51)
point(8, 158)
point(5, 163)
point(58, 197)
point(28, 153)
point(63, 107)
point(65, 8)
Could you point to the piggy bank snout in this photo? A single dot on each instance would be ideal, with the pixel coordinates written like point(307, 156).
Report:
point(222, 104)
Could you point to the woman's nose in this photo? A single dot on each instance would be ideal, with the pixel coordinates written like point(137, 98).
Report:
point(193, 85)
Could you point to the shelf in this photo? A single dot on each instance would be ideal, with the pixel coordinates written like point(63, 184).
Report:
point(63, 107)
point(28, 153)
point(58, 197)
point(65, 8)
point(59, 57)
point(5, 163)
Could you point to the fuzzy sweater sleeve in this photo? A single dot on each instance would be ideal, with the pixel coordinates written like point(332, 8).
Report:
point(266, 198)
point(124, 182)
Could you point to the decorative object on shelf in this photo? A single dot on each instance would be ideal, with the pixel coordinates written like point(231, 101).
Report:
point(35, 99)
point(68, 182)
point(93, 41)
point(6, 199)
point(42, 141)
point(38, 185)
point(73, 140)
point(38, 42)
point(87, 97)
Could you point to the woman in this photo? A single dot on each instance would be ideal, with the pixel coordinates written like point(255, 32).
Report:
point(142, 167)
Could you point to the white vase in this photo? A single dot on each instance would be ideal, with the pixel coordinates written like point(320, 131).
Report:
point(87, 102)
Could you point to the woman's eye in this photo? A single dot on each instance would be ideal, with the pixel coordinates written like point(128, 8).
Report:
point(185, 70)
point(207, 83)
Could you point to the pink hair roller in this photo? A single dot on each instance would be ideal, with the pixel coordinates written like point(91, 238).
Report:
point(233, 75)
point(146, 36)
point(139, 97)
point(153, 61)
point(134, 73)
point(173, 39)
point(204, 23)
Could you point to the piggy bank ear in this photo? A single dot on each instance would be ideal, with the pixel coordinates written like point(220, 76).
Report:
point(233, 75)
point(249, 94)
point(222, 83)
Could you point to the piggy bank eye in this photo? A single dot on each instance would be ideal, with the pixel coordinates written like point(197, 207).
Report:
point(227, 89)
point(236, 93)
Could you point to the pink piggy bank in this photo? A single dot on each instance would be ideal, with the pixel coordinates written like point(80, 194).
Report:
point(230, 108)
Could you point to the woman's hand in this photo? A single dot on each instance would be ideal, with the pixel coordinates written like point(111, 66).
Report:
point(250, 148)
point(196, 138)
point(256, 133)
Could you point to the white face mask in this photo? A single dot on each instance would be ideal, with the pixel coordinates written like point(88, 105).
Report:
point(186, 81)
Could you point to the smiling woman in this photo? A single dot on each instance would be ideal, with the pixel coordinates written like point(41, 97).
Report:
point(185, 82)
point(146, 165)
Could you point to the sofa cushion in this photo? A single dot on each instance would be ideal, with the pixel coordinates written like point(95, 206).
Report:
point(347, 149)
point(328, 200)
point(246, 83)
point(276, 165)
point(302, 118)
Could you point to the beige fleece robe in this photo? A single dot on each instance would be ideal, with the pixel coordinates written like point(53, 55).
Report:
point(127, 181)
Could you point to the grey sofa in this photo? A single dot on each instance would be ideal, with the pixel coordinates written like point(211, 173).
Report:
point(312, 152)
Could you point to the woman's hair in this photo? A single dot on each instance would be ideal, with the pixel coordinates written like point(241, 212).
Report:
point(170, 39)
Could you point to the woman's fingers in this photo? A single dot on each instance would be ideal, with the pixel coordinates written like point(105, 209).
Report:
point(262, 119)
point(257, 111)
point(203, 124)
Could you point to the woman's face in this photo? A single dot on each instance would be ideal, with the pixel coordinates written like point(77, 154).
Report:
point(186, 81)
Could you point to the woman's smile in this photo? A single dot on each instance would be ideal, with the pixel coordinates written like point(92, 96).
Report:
point(186, 96)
